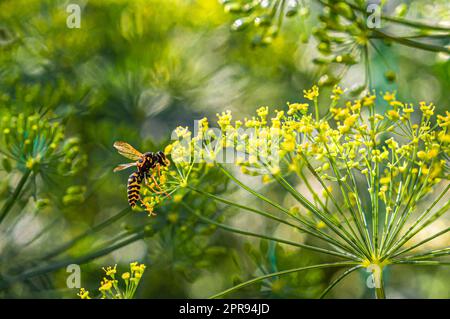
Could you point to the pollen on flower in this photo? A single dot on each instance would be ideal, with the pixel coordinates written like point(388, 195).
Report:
point(337, 92)
point(389, 96)
point(224, 119)
point(83, 294)
point(297, 107)
point(312, 93)
point(110, 271)
point(114, 289)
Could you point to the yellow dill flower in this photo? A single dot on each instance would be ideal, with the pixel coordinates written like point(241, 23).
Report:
point(168, 149)
point(263, 112)
point(137, 268)
point(224, 119)
point(182, 132)
point(110, 271)
point(111, 288)
point(349, 122)
point(393, 115)
point(391, 143)
point(389, 96)
point(106, 285)
point(312, 93)
point(369, 100)
point(356, 106)
point(289, 143)
point(83, 294)
point(337, 92)
point(433, 153)
point(427, 110)
point(203, 126)
point(340, 113)
point(396, 104)
point(421, 155)
point(444, 121)
point(408, 109)
point(297, 107)
point(444, 138)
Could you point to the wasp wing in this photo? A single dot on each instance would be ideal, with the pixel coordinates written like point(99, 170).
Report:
point(127, 150)
point(121, 167)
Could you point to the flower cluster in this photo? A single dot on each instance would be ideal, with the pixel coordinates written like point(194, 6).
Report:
point(395, 151)
point(355, 140)
point(109, 286)
point(370, 171)
point(35, 143)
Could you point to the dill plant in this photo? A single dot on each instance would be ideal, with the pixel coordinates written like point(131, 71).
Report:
point(34, 151)
point(110, 287)
point(35, 146)
point(366, 178)
point(346, 32)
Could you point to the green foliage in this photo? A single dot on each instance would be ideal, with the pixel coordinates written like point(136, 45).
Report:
point(133, 72)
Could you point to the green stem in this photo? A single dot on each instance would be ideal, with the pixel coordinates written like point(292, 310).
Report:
point(309, 230)
point(64, 247)
point(11, 200)
point(280, 273)
point(422, 262)
point(279, 240)
point(334, 283)
point(410, 23)
point(379, 284)
point(412, 43)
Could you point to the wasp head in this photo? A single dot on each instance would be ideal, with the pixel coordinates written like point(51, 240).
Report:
point(161, 159)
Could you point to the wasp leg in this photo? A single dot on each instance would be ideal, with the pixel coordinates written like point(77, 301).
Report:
point(159, 187)
point(151, 187)
point(147, 208)
point(159, 171)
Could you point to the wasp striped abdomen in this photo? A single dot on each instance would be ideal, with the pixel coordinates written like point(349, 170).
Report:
point(134, 187)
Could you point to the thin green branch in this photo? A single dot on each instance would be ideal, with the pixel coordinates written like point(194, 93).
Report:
point(279, 273)
point(14, 197)
point(337, 280)
point(316, 233)
point(282, 241)
point(64, 247)
point(440, 233)
point(422, 262)
point(427, 255)
point(411, 43)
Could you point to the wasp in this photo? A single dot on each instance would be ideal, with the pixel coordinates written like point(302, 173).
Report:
point(145, 163)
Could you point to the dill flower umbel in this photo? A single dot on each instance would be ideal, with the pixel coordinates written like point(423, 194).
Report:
point(110, 288)
point(35, 143)
point(371, 172)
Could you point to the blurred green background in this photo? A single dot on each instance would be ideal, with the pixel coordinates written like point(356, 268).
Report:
point(134, 71)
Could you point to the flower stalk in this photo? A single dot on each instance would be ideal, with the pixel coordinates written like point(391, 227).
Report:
point(15, 195)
